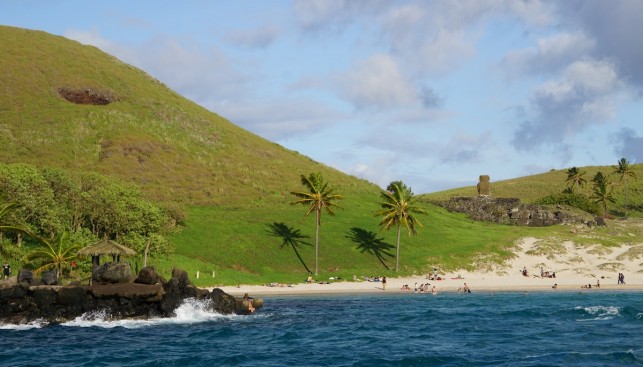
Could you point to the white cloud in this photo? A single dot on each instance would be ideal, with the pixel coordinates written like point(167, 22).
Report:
point(615, 26)
point(586, 94)
point(376, 83)
point(549, 55)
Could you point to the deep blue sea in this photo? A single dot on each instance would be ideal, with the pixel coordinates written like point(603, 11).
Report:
point(503, 329)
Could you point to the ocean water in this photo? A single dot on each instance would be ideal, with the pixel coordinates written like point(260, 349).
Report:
point(503, 329)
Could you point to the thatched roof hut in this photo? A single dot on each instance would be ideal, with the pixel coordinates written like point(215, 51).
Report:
point(106, 247)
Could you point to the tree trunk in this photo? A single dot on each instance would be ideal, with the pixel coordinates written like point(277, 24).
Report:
point(317, 242)
point(147, 249)
point(397, 254)
point(625, 206)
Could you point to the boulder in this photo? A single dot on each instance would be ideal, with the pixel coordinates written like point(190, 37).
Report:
point(112, 272)
point(147, 275)
point(600, 221)
point(49, 277)
point(25, 276)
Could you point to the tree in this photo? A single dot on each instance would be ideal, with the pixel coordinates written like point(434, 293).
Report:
point(398, 208)
point(602, 191)
point(319, 195)
point(55, 255)
point(623, 171)
point(6, 225)
point(575, 178)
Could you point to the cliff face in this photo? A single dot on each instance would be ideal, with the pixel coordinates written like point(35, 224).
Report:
point(511, 211)
point(26, 300)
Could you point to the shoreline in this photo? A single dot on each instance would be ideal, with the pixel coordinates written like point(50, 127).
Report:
point(394, 286)
point(575, 267)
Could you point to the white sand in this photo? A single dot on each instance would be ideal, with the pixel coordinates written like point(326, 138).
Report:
point(574, 266)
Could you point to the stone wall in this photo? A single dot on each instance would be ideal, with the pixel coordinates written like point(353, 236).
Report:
point(510, 211)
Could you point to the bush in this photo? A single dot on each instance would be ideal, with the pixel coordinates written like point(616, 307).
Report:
point(566, 198)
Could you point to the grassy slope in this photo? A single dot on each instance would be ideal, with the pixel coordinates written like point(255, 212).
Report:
point(173, 148)
point(235, 183)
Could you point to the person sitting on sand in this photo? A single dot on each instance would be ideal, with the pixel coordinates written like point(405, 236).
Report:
point(310, 279)
point(524, 272)
point(598, 283)
point(555, 285)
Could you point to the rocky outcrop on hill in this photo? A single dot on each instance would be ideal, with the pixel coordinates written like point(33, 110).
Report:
point(510, 211)
point(26, 299)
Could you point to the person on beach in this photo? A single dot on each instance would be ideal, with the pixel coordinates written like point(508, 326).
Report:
point(6, 270)
point(310, 279)
point(524, 272)
point(383, 283)
point(433, 291)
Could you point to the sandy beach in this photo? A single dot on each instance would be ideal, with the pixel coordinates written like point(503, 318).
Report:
point(575, 268)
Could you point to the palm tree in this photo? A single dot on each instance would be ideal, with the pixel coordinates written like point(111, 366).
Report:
point(575, 178)
point(398, 206)
point(623, 170)
point(319, 195)
point(602, 191)
point(55, 255)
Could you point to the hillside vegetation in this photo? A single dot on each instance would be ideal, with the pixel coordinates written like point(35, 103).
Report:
point(234, 186)
point(531, 188)
point(149, 135)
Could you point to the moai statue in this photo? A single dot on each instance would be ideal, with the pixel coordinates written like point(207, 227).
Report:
point(484, 186)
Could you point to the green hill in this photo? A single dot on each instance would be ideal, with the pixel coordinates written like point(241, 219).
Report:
point(149, 135)
point(235, 185)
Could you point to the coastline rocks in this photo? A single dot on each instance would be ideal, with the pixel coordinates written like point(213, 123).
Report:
point(147, 275)
point(49, 277)
point(112, 272)
point(29, 300)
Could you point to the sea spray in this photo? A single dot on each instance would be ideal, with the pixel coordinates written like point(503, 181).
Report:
point(191, 311)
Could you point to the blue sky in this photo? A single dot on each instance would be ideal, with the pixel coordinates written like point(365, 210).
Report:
point(433, 93)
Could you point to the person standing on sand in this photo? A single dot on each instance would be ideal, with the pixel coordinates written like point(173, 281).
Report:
point(383, 283)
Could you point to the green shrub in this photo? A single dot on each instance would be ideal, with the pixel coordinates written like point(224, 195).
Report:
point(567, 198)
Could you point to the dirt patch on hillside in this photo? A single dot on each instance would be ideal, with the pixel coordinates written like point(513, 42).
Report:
point(86, 96)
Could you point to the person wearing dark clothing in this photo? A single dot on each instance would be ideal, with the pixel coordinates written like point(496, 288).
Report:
point(6, 270)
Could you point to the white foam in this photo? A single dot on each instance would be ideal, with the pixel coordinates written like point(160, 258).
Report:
point(37, 324)
point(191, 311)
point(601, 312)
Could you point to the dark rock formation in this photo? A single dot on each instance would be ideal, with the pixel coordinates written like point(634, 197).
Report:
point(50, 277)
point(112, 272)
point(509, 211)
point(147, 275)
point(29, 300)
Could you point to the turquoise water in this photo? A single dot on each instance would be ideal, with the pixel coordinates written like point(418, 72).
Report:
point(504, 329)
